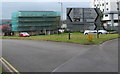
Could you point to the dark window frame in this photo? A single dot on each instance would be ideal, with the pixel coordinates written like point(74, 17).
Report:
point(106, 15)
point(107, 3)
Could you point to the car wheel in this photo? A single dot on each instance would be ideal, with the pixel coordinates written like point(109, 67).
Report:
point(86, 33)
point(100, 33)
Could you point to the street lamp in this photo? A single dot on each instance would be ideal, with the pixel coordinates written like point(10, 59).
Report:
point(61, 12)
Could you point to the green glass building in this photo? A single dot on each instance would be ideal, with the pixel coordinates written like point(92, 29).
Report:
point(35, 22)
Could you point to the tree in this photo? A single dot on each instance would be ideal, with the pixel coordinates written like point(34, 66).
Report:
point(5, 27)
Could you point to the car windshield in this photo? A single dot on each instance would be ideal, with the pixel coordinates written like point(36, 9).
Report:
point(24, 33)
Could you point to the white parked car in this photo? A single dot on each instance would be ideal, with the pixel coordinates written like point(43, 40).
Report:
point(86, 32)
point(61, 30)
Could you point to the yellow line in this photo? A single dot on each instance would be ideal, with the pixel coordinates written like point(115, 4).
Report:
point(11, 66)
point(6, 66)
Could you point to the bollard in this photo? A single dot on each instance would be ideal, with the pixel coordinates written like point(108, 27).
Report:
point(90, 37)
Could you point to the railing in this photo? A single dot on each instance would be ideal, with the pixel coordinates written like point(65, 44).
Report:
point(33, 28)
point(36, 16)
point(36, 20)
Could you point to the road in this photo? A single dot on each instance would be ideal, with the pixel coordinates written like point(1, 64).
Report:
point(45, 56)
point(102, 58)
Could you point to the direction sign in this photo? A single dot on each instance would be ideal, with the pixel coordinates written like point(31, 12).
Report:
point(82, 16)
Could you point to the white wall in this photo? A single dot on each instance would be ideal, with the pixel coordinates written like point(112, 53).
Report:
point(109, 6)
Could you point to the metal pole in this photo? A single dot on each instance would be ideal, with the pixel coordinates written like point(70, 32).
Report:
point(97, 34)
point(118, 5)
point(112, 21)
point(83, 21)
point(69, 35)
point(61, 12)
point(61, 4)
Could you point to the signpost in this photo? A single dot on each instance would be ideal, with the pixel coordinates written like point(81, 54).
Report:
point(69, 35)
point(77, 18)
point(81, 16)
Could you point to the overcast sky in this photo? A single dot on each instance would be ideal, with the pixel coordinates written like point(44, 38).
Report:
point(10, 6)
point(46, 0)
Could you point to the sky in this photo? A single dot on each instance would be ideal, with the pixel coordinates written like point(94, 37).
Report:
point(45, 0)
point(10, 6)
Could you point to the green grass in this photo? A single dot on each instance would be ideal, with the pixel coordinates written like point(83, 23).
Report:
point(75, 38)
point(2, 70)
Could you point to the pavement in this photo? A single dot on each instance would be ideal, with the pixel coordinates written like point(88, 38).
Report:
point(45, 56)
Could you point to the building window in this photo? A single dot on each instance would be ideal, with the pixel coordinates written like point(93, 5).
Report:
point(106, 15)
point(102, 4)
point(107, 3)
point(107, 9)
point(103, 10)
point(97, 4)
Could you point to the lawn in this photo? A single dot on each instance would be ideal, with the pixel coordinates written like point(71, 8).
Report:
point(2, 70)
point(75, 38)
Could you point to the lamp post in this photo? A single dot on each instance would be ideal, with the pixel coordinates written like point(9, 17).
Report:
point(61, 12)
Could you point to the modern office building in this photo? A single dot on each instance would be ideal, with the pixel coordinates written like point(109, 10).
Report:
point(110, 10)
point(35, 22)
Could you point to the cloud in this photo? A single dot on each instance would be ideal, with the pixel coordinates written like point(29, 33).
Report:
point(45, 0)
point(9, 7)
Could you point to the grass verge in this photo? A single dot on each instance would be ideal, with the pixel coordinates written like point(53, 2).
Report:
point(2, 70)
point(75, 38)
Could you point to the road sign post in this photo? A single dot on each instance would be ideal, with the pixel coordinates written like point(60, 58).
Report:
point(97, 34)
point(69, 35)
point(77, 18)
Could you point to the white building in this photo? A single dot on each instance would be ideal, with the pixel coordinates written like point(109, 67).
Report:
point(110, 11)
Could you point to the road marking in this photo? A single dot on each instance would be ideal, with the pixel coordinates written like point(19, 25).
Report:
point(15, 70)
point(6, 65)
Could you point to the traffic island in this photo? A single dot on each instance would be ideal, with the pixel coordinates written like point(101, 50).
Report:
point(78, 38)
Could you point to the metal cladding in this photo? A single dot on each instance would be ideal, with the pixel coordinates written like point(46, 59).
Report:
point(83, 18)
point(35, 20)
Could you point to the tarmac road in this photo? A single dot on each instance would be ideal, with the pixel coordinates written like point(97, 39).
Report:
point(45, 56)
point(101, 58)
